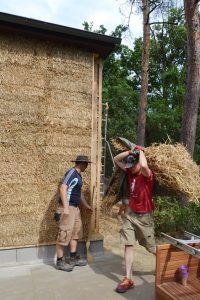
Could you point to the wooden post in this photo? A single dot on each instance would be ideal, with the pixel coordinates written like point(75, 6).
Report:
point(96, 145)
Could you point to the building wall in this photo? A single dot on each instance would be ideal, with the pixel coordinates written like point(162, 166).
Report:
point(46, 92)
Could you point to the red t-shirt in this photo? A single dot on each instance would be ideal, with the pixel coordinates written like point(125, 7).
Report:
point(141, 188)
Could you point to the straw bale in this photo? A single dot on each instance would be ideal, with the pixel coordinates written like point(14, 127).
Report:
point(175, 171)
point(72, 96)
point(45, 119)
point(21, 75)
point(12, 51)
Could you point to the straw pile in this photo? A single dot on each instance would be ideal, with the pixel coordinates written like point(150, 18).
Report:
point(44, 87)
point(175, 171)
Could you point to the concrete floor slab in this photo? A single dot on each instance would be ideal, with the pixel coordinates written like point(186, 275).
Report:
point(96, 281)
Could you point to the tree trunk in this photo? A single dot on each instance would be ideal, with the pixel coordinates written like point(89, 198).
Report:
point(191, 102)
point(140, 139)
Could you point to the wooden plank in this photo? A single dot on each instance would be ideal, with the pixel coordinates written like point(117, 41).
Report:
point(162, 294)
point(96, 143)
point(99, 140)
point(175, 265)
point(158, 274)
point(94, 147)
point(175, 255)
point(169, 272)
point(164, 247)
point(196, 285)
point(171, 247)
point(195, 282)
point(181, 292)
point(176, 291)
point(175, 274)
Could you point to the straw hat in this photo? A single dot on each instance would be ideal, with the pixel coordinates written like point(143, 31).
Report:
point(82, 158)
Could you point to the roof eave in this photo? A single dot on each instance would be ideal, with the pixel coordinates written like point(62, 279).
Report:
point(92, 42)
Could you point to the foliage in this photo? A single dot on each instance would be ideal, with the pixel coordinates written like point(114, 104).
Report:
point(120, 95)
point(122, 77)
point(172, 218)
point(89, 27)
point(167, 80)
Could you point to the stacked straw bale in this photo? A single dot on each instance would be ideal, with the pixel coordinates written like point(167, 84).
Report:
point(44, 89)
point(175, 171)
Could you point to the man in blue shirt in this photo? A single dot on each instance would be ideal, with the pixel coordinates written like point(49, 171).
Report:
point(70, 224)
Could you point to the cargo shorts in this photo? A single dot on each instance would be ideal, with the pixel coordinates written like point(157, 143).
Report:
point(138, 227)
point(70, 226)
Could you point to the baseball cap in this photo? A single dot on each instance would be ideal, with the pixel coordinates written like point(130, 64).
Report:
point(131, 160)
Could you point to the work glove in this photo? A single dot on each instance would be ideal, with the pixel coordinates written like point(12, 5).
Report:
point(136, 149)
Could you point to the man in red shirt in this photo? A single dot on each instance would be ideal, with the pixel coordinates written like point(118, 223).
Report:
point(137, 222)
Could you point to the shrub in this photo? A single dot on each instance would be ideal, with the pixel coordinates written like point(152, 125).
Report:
point(172, 218)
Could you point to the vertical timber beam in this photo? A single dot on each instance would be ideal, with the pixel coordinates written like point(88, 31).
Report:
point(96, 147)
point(99, 142)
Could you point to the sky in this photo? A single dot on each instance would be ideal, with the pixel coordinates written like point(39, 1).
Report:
point(73, 13)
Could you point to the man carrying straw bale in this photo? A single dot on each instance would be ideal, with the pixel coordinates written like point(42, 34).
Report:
point(70, 224)
point(137, 222)
point(175, 171)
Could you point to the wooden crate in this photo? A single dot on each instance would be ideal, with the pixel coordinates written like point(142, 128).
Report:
point(168, 284)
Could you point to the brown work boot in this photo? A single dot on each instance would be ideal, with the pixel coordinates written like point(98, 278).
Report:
point(76, 261)
point(63, 266)
point(125, 285)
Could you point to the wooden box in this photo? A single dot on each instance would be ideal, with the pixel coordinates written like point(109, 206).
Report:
point(168, 282)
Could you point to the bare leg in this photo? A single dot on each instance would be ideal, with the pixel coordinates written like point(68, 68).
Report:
point(128, 255)
point(73, 245)
point(59, 250)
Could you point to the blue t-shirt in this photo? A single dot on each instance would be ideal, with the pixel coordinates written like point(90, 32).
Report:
point(73, 180)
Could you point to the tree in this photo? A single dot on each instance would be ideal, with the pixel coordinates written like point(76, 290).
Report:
point(144, 77)
point(191, 103)
point(166, 88)
point(148, 7)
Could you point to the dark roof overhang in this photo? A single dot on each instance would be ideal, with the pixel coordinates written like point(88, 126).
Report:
point(89, 41)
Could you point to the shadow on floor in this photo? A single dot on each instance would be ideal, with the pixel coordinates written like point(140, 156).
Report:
point(112, 267)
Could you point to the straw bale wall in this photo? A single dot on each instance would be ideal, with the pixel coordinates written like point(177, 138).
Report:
point(45, 118)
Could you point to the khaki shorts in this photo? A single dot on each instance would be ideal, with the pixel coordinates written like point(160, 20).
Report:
point(70, 227)
point(138, 227)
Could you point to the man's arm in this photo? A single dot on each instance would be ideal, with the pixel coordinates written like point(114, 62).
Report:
point(119, 159)
point(63, 196)
point(85, 202)
point(144, 166)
